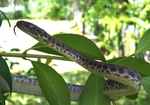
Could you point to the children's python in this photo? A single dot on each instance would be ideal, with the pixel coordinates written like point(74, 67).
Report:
point(121, 81)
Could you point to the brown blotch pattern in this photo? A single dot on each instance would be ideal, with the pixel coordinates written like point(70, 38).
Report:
point(98, 68)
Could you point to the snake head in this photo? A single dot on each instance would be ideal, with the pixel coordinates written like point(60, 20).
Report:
point(22, 25)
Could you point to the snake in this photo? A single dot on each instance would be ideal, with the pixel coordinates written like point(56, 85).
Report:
point(121, 81)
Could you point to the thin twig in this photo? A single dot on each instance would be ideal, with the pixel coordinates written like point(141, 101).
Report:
point(21, 55)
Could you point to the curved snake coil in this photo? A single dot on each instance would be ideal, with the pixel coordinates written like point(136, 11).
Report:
point(31, 86)
point(121, 81)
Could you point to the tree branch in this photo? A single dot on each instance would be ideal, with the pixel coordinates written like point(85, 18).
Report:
point(21, 55)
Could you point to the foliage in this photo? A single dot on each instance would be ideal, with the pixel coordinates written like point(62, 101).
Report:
point(4, 3)
point(49, 9)
point(110, 21)
point(59, 93)
point(120, 61)
point(3, 14)
point(106, 20)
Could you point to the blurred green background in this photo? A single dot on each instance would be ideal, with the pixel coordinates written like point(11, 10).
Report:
point(114, 25)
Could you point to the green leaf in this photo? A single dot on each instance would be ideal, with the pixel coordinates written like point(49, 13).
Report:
point(52, 84)
point(15, 49)
point(77, 42)
point(5, 18)
point(133, 97)
point(1, 20)
point(144, 43)
point(134, 63)
point(48, 61)
point(146, 84)
point(2, 98)
point(43, 48)
point(5, 73)
point(92, 92)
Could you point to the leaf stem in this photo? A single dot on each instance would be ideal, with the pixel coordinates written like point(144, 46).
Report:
point(21, 55)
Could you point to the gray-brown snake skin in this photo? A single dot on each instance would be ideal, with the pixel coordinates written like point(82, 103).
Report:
point(120, 77)
point(31, 86)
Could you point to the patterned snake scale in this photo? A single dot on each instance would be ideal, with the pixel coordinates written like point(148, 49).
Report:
point(31, 86)
point(121, 81)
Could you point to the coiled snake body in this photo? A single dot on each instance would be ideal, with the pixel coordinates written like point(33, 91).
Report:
point(121, 81)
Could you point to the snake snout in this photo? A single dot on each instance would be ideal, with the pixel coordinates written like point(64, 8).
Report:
point(19, 24)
